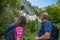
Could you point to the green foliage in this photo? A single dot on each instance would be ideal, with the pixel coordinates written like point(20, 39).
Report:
point(33, 26)
point(10, 11)
point(54, 13)
point(58, 1)
point(31, 30)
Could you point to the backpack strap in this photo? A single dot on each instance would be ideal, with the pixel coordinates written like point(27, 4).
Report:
point(10, 31)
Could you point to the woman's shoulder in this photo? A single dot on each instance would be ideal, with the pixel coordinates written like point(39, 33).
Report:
point(19, 28)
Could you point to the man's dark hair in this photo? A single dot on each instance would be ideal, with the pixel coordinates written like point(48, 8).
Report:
point(22, 7)
point(22, 20)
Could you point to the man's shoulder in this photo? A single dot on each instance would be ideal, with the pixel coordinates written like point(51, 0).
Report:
point(48, 22)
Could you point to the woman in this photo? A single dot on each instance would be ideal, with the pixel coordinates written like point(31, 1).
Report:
point(15, 30)
point(21, 22)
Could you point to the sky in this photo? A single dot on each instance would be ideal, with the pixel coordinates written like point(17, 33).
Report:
point(42, 3)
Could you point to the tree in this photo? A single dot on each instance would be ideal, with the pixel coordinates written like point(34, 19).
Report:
point(54, 13)
point(0, 7)
point(58, 1)
point(10, 11)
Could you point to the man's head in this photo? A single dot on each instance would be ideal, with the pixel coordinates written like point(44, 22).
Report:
point(44, 16)
point(21, 21)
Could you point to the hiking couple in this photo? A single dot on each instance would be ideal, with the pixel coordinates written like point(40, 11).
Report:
point(15, 30)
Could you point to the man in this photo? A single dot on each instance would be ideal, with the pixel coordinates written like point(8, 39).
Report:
point(46, 28)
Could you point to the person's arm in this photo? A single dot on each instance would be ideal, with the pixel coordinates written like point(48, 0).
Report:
point(46, 36)
point(47, 30)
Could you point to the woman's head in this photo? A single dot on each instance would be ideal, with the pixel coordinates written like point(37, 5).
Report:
point(21, 21)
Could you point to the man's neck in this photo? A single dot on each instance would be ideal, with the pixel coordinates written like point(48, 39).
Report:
point(44, 20)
